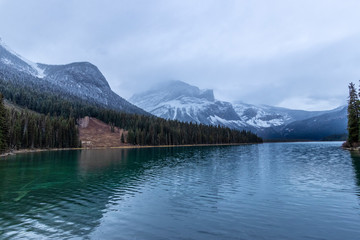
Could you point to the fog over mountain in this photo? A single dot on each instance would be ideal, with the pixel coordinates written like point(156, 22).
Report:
point(174, 100)
point(293, 54)
point(178, 100)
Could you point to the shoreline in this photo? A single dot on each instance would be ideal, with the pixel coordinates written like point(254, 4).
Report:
point(352, 149)
point(20, 151)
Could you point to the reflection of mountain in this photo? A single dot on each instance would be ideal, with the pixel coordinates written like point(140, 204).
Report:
point(68, 192)
point(65, 191)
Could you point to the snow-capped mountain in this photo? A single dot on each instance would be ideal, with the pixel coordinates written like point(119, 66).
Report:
point(183, 102)
point(81, 79)
point(264, 116)
point(12, 60)
point(180, 101)
point(315, 128)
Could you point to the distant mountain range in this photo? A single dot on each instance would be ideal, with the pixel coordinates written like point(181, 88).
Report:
point(82, 80)
point(173, 100)
point(183, 102)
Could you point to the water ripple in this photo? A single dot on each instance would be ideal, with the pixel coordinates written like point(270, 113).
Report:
point(268, 191)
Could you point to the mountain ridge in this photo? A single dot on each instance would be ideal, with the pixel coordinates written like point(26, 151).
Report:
point(78, 79)
point(266, 121)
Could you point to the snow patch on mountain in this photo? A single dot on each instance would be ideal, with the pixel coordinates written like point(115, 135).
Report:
point(177, 100)
point(185, 105)
point(260, 116)
point(34, 69)
point(181, 101)
point(80, 80)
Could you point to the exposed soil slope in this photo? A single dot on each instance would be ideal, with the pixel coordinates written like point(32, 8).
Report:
point(95, 133)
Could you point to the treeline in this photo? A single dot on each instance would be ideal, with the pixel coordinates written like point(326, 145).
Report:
point(142, 130)
point(23, 129)
point(148, 131)
point(353, 117)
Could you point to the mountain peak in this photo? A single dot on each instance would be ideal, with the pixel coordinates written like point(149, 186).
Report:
point(181, 101)
point(2, 42)
point(83, 73)
point(184, 102)
point(175, 89)
point(18, 62)
point(80, 79)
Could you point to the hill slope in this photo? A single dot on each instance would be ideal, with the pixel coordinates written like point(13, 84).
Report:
point(95, 133)
point(82, 80)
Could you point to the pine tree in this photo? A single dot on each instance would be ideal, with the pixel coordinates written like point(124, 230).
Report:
point(353, 115)
point(130, 137)
point(3, 126)
point(122, 139)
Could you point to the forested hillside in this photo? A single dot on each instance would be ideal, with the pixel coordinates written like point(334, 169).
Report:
point(25, 129)
point(80, 79)
point(61, 114)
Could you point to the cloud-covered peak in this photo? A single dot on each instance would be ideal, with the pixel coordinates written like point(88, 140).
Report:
point(174, 89)
point(258, 51)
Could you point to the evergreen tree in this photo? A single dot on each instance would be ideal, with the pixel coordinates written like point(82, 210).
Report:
point(353, 115)
point(57, 128)
point(3, 126)
point(130, 137)
point(122, 139)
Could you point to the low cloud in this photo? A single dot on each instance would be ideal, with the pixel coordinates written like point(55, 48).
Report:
point(273, 52)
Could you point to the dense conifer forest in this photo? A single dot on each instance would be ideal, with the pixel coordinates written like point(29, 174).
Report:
point(55, 126)
point(353, 117)
point(25, 129)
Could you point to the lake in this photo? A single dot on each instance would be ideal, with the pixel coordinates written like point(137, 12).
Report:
point(265, 191)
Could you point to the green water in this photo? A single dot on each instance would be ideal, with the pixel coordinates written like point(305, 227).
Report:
point(267, 191)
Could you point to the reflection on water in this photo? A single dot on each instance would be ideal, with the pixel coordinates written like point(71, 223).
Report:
point(355, 156)
point(66, 192)
point(268, 191)
point(99, 160)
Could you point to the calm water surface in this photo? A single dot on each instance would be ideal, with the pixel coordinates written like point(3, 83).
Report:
point(267, 191)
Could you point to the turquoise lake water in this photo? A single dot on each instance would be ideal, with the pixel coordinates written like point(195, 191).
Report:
point(265, 191)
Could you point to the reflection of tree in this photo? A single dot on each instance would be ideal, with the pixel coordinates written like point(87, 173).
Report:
point(67, 192)
point(355, 156)
point(62, 191)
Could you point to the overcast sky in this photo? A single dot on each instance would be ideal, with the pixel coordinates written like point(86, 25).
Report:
point(295, 54)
